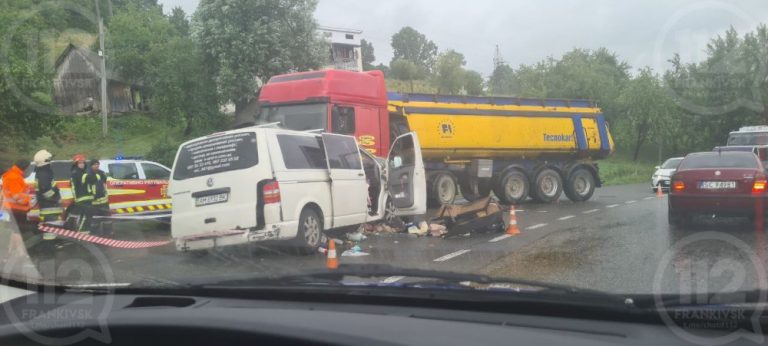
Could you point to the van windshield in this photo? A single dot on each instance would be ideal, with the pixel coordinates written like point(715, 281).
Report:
point(217, 154)
point(297, 117)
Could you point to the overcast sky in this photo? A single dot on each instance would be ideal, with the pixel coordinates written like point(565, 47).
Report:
point(642, 32)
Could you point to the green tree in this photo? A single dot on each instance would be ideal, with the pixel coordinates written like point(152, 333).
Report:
point(134, 34)
point(473, 83)
point(404, 70)
point(449, 73)
point(26, 72)
point(148, 50)
point(368, 55)
point(383, 68)
point(646, 109)
point(245, 42)
point(502, 81)
point(179, 21)
point(411, 45)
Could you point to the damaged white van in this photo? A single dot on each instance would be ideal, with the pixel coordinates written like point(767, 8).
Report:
point(258, 184)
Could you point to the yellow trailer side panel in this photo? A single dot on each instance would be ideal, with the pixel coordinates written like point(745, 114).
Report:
point(473, 136)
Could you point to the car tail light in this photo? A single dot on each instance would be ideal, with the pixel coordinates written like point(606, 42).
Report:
point(759, 186)
point(678, 186)
point(272, 193)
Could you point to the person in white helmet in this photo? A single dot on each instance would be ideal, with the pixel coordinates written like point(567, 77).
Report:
point(48, 195)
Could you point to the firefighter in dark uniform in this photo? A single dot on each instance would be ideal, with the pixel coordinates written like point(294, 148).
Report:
point(97, 183)
point(48, 196)
point(80, 211)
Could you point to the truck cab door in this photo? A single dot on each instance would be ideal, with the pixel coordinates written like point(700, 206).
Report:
point(406, 178)
point(349, 188)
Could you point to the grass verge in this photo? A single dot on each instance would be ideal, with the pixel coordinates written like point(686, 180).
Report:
point(619, 171)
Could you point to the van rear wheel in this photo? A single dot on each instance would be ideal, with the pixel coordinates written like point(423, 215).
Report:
point(310, 229)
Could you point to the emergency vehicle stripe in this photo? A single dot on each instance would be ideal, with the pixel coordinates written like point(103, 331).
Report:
point(160, 206)
point(151, 207)
point(130, 210)
point(139, 209)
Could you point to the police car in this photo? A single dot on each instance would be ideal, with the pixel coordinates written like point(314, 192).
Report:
point(136, 187)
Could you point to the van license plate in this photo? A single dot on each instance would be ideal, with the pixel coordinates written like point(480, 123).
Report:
point(212, 199)
point(717, 185)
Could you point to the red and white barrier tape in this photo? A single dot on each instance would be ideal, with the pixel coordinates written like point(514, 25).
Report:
point(120, 244)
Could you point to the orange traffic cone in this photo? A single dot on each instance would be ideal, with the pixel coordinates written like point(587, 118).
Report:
point(332, 262)
point(659, 193)
point(512, 225)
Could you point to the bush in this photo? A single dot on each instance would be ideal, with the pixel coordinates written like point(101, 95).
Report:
point(163, 152)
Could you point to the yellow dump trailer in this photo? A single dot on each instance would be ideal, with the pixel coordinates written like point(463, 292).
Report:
point(514, 146)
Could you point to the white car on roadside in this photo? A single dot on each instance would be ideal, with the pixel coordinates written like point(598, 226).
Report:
point(259, 184)
point(663, 173)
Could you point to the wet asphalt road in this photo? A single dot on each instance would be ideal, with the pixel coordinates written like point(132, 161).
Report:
point(619, 241)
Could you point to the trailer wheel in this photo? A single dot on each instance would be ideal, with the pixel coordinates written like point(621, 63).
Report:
point(513, 187)
point(580, 185)
point(443, 189)
point(548, 186)
point(473, 189)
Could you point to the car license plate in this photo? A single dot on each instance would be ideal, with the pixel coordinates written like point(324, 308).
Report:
point(717, 185)
point(212, 199)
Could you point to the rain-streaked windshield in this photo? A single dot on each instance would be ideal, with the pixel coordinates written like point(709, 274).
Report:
point(164, 142)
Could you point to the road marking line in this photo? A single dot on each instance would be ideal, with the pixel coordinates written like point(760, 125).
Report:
point(392, 279)
point(630, 202)
point(451, 255)
point(649, 197)
point(591, 211)
point(499, 238)
point(542, 211)
point(537, 226)
point(567, 217)
point(612, 206)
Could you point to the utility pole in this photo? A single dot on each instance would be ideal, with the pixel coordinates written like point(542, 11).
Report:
point(103, 57)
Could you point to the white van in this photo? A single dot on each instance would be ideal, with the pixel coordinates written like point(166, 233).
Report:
point(259, 184)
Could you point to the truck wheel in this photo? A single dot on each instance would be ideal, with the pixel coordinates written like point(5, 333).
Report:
point(513, 187)
point(548, 186)
point(443, 189)
point(474, 189)
point(310, 229)
point(580, 185)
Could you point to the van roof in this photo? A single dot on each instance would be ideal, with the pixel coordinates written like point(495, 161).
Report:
point(255, 129)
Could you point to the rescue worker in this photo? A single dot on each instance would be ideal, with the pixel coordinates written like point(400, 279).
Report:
point(80, 211)
point(48, 196)
point(15, 195)
point(97, 184)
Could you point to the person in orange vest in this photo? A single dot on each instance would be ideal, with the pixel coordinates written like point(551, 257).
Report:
point(15, 195)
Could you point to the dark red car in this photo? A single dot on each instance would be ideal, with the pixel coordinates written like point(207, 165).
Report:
point(722, 183)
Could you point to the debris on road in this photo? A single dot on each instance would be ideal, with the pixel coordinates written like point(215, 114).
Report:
point(356, 236)
point(355, 251)
point(459, 219)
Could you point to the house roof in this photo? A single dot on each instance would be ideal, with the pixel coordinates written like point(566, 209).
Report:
point(91, 58)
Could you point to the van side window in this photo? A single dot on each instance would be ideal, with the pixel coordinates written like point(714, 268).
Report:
point(343, 120)
point(342, 153)
point(302, 152)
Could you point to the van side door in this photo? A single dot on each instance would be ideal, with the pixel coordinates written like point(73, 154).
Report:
point(349, 189)
point(406, 176)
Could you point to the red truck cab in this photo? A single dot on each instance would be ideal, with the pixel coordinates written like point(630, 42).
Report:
point(342, 102)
